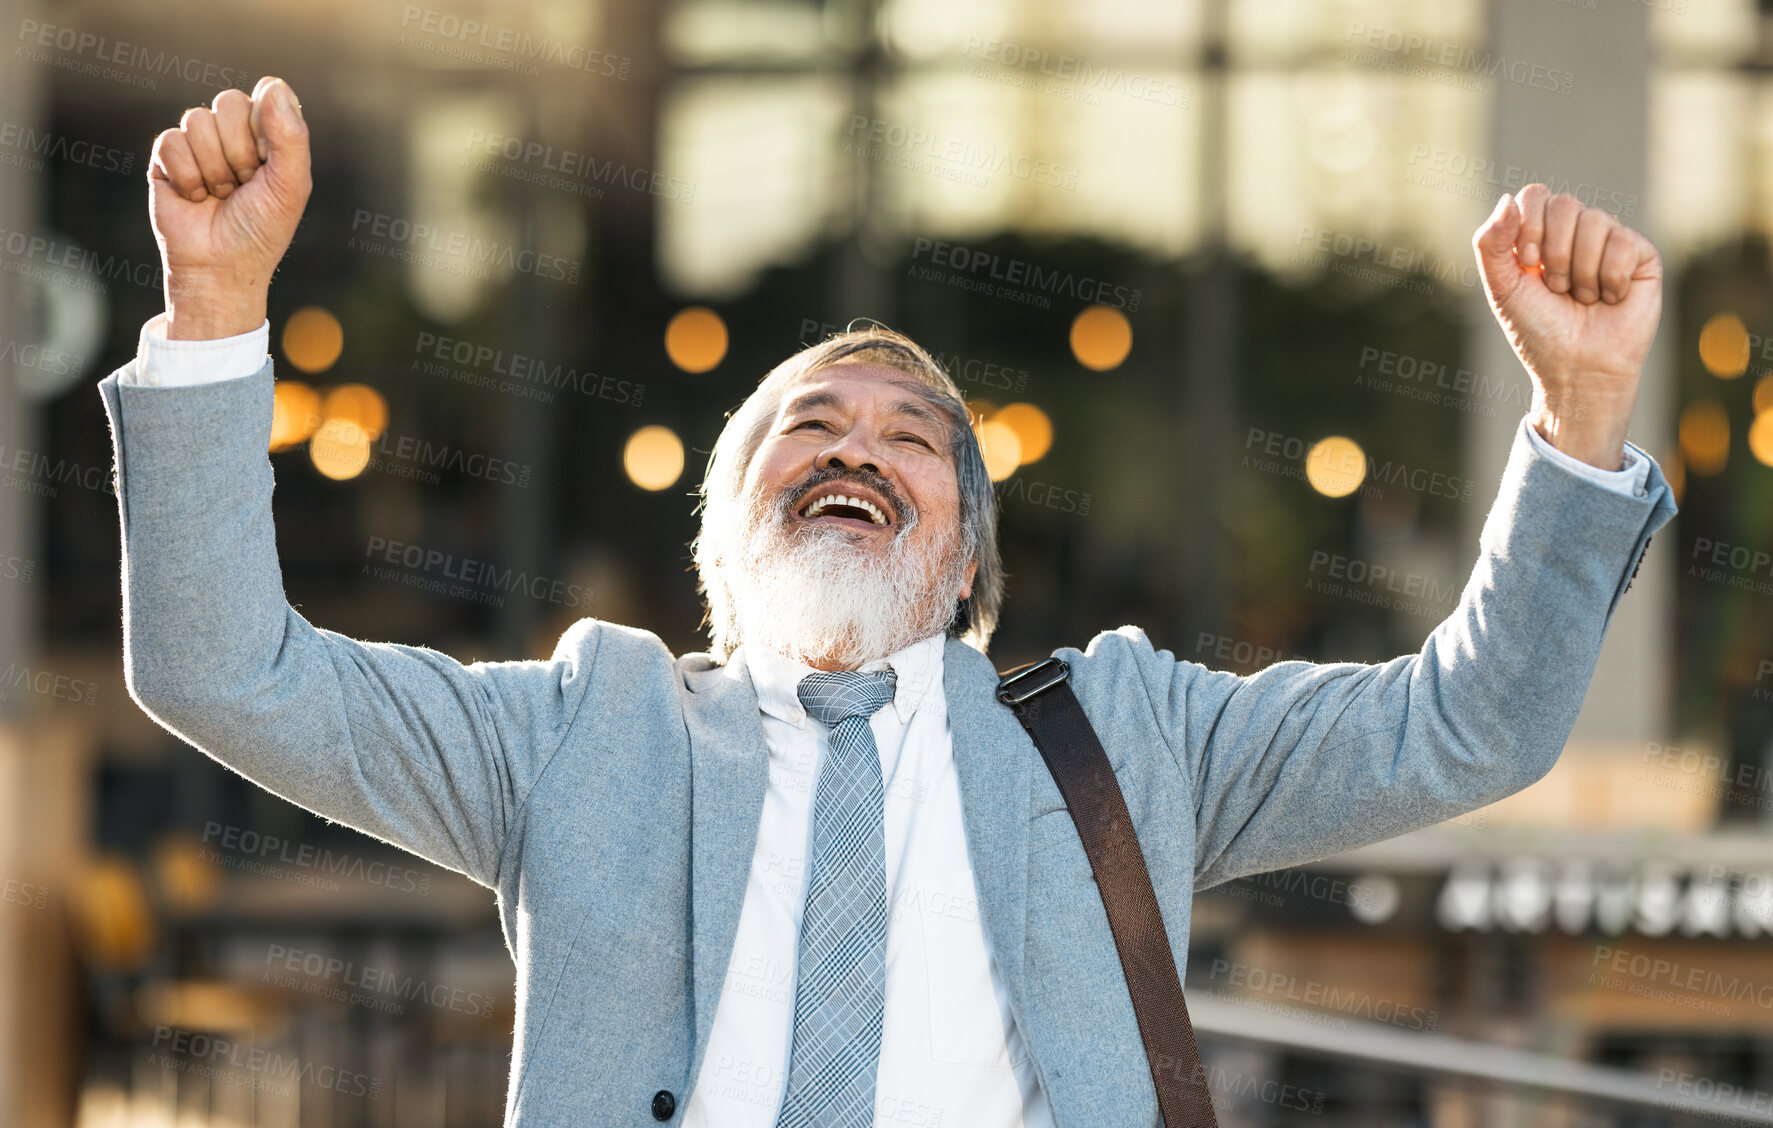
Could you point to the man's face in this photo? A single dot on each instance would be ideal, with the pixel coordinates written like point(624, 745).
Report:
point(862, 431)
point(852, 546)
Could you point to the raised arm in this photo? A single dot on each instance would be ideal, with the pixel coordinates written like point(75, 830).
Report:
point(1300, 760)
point(402, 742)
point(1303, 760)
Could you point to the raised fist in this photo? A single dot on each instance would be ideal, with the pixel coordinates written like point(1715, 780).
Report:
point(1579, 295)
point(226, 190)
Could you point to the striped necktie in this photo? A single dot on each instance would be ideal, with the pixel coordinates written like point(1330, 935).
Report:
point(841, 998)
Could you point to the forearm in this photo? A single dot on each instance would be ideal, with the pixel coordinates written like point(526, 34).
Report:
point(1498, 683)
point(1303, 760)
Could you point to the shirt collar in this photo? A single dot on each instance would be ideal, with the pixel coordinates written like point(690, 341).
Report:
point(777, 678)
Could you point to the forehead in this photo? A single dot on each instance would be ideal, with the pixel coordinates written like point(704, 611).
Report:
point(862, 383)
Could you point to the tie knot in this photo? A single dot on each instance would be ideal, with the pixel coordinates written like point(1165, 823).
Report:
point(836, 695)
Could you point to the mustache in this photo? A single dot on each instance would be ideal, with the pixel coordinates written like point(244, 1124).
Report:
point(903, 512)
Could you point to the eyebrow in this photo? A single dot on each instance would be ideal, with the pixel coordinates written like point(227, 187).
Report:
point(809, 400)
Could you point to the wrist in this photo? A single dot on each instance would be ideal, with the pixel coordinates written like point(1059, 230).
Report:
point(206, 309)
point(1592, 433)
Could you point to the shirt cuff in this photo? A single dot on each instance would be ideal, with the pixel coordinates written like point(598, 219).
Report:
point(1631, 479)
point(174, 364)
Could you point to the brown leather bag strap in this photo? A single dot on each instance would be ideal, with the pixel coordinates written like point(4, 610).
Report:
point(1039, 696)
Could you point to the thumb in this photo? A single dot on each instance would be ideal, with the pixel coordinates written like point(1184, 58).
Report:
point(1494, 246)
point(281, 132)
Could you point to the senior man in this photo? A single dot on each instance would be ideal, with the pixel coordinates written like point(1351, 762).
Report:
point(819, 875)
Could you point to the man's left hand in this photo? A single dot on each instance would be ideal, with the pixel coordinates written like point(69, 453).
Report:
point(1579, 295)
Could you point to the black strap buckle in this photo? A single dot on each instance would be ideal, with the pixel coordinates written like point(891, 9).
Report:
point(1031, 679)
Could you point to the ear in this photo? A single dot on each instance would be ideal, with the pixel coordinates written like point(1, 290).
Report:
point(972, 570)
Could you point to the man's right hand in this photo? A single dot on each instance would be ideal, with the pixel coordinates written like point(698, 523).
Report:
point(225, 192)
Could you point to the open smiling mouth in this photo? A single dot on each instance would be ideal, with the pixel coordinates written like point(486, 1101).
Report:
point(844, 509)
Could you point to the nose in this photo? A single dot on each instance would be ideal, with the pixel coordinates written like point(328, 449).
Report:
point(851, 450)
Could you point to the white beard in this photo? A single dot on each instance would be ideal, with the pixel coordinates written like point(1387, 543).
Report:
point(814, 594)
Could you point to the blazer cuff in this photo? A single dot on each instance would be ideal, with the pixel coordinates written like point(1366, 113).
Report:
point(1546, 503)
point(1630, 478)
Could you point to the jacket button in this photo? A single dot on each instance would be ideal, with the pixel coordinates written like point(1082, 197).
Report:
point(664, 1104)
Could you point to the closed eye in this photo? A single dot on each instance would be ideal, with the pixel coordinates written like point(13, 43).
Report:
point(918, 439)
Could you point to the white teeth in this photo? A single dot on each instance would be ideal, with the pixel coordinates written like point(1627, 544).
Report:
point(869, 507)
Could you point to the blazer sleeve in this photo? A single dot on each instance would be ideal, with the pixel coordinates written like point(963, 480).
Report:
point(1303, 760)
point(401, 742)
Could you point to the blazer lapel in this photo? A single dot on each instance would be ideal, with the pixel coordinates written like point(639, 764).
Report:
point(729, 772)
point(993, 758)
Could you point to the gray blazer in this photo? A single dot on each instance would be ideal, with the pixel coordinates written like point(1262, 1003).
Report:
point(611, 795)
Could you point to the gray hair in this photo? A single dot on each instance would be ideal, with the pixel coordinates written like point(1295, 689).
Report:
point(718, 544)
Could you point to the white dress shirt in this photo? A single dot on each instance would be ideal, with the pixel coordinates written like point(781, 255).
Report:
point(951, 1054)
